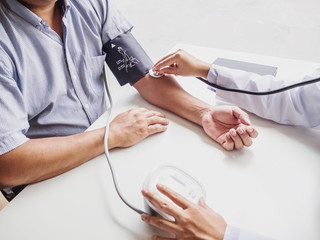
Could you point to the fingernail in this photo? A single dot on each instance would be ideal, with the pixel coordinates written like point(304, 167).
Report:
point(250, 129)
point(233, 132)
point(240, 130)
point(144, 192)
point(247, 120)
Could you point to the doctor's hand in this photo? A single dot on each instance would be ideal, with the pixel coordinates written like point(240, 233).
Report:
point(229, 126)
point(182, 63)
point(132, 126)
point(191, 221)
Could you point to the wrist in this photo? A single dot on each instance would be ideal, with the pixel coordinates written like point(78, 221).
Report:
point(203, 112)
point(113, 142)
point(204, 69)
point(100, 139)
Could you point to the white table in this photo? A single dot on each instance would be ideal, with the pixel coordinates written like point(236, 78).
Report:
point(271, 188)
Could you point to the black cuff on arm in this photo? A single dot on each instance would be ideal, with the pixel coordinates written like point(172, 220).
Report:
point(126, 59)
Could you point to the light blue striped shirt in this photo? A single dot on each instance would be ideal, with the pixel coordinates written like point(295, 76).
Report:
point(51, 86)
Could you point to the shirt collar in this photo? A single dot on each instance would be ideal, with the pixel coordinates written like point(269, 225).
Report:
point(22, 11)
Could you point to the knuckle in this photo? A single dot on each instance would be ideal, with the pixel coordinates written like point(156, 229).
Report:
point(161, 221)
point(140, 121)
point(135, 114)
point(163, 205)
point(130, 112)
point(156, 221)
point(175, 196)
point(142, 131)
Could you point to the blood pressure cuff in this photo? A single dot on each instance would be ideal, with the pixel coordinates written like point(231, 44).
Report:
point(11, 193)
point(126, 59)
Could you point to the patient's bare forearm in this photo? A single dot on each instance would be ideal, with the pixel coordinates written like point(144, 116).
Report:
point(168, 94)
point(40, 159)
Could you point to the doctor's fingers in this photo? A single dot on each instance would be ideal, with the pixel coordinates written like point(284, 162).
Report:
point(161, 223)
point(168, 65)
point(162, 59)
point(155, 237)
point(175, 197)
point(162, 204)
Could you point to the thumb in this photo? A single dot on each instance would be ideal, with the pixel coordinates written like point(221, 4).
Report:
point(241, 115)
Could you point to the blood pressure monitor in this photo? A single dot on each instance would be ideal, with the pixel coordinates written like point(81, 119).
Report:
point(177, 180)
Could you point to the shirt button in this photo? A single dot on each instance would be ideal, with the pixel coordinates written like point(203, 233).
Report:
point(38, 27)
point(74, 77)
point(86, 106)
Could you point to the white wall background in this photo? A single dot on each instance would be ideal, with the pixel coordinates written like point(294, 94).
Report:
point(281, 28)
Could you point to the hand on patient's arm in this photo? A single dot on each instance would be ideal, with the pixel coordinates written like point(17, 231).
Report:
point(191, 221)
point(183, 64)
point(130, 127)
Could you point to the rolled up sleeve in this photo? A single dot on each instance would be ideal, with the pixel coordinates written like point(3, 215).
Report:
point(13, 117)
point(114, 23)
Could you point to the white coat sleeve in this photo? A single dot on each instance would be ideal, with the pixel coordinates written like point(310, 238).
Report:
point(233, 233)
point(298, 106)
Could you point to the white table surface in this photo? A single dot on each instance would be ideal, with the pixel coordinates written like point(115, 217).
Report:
point(271, 188)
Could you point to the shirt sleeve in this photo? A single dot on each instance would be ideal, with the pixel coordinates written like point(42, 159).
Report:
point(114, 23)
point(234, 233)
point(293, 107)
point(13, 117)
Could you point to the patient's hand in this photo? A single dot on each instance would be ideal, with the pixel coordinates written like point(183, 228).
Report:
point(229, 126)
point(132, 126)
